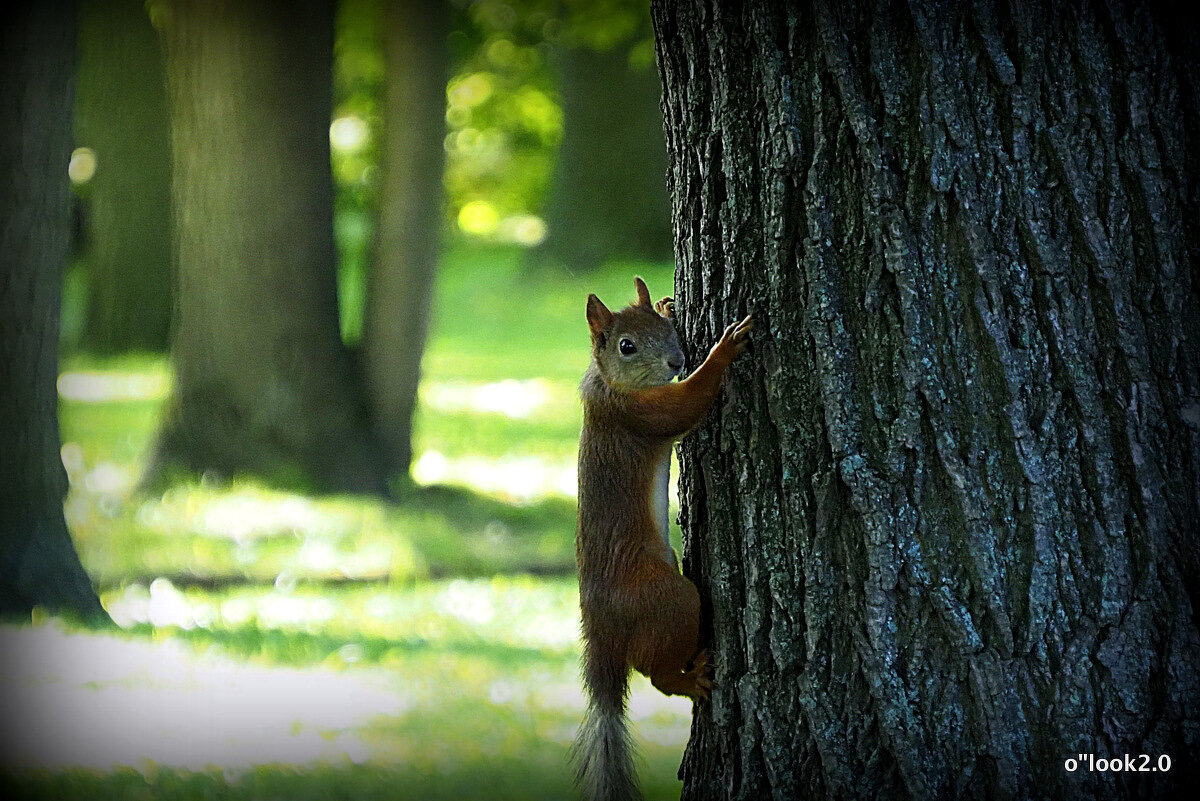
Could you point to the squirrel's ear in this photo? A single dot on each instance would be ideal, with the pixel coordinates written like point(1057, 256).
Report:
point(643, 292)
point(598, 316)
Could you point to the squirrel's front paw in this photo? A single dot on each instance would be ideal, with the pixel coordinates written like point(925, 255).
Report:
point(737, 336)
point(665, 307)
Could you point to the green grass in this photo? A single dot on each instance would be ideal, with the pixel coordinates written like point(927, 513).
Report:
point(509, 320)
point(482, 673)
point(460, 595)
point(243, 532)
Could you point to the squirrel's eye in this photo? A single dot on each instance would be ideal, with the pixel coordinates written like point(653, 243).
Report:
point(627, 347)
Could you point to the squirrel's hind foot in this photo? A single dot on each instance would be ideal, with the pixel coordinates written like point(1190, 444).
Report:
point(701, 675)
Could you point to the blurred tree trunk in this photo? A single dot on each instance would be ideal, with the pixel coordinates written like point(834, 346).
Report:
point(121, 114)
point(409, 227)
point(263, 382)
point(608, 198)
point(38, 563)
point(946, 512)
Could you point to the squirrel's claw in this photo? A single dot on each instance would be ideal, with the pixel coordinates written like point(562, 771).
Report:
point(737, 335)
point(742, 329)
point(665, 307)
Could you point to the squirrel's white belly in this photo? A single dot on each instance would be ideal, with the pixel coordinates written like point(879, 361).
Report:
point(659, 497)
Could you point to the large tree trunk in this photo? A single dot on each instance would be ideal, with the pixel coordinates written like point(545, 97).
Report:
point(122, 115)
point(946, 515)
point(38, 563)
point(608, 198)
point(409, 228)
point(263, 383)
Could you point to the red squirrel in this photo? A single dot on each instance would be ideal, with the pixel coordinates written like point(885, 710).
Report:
point(638, 610)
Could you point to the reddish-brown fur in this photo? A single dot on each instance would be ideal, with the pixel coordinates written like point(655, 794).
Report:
point(638, 610)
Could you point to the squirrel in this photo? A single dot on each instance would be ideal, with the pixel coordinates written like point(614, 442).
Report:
point(638, 610)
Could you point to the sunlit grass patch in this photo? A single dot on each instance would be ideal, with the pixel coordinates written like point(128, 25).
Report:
point(201, 532)
point(520, 479)
point(107, 386)
point(116, 433)
point(504, 616)
point(495, 437)
point(496, 317)
point(198, 533)
point(206, 531)
point(510, 397)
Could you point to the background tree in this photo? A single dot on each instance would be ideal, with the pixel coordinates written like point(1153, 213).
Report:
point(263, 382)
point(38, 564)
point(947, 516)
point(121, 114)
point(409, 220)
point(607, 197)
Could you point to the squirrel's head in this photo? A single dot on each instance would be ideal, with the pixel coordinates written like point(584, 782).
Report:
point(635, 347)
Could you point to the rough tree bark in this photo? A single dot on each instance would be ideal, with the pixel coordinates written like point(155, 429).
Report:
point(408, 232)
point(121, 114)
point(263, 383)
point(38, 563)
point(946, 516)
point(607, 197)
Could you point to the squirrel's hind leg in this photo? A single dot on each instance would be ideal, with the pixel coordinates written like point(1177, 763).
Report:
point(695, 683)
point(665, 641)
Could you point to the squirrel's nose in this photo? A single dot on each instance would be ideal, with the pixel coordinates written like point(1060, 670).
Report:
point(676, 361)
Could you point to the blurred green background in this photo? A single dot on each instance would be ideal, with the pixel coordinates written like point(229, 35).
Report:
point(448, 611)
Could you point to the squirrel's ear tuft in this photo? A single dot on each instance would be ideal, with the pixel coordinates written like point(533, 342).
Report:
point(598, 316)
point(643, 292)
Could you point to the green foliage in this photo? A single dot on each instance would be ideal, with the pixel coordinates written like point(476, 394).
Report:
point(503, 118)
point(605, 24)
point(503, 123)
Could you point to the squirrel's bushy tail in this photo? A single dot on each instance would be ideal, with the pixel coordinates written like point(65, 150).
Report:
point(602, 752)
